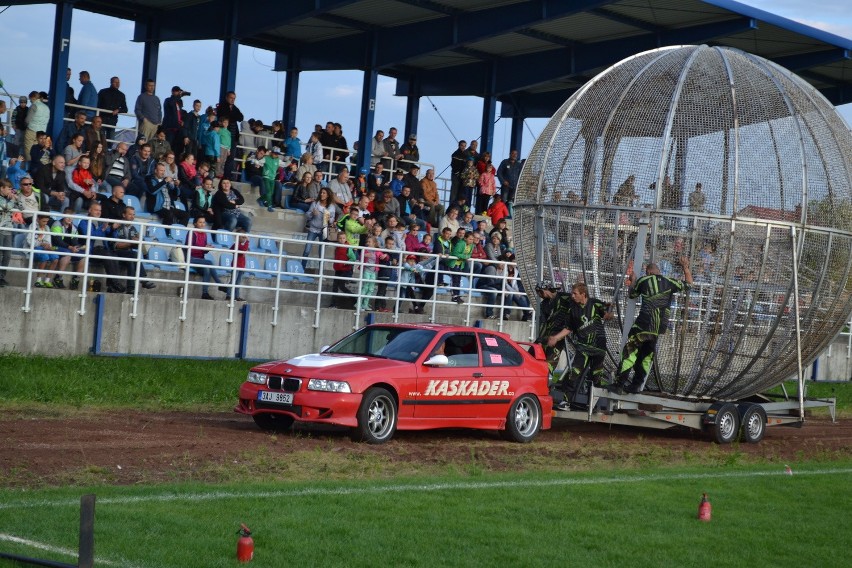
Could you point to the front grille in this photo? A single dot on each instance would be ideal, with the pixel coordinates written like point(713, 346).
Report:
point(287, 384)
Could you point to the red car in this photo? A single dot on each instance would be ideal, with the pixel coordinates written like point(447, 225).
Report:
point(407, 376)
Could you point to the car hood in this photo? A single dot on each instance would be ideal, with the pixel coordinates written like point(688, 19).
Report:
point(318, 364)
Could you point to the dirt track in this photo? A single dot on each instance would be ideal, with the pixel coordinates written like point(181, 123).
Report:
point(133, 447)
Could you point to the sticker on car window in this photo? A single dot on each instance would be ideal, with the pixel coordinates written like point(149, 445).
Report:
point(496, 358)
point(491, 342)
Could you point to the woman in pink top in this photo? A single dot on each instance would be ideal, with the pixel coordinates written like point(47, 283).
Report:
point(197, 242)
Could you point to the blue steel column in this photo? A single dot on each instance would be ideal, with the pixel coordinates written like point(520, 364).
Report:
point(489, 111)
point(516, 138)
point(291, 96)
point(230, 48)
point(412, 107)
point(148, 31)
point(59, 66)
point(368, 106)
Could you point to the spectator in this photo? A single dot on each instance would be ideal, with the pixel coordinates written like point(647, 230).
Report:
point(136, 147)
point(141, 166)
point(113, 100)
point(52, 184)
point(502, 227)
point(473, 151)
point(96, 232)
point(70, 99)
point(82, 185)
point(344, 256)
point(353, 224)
point(8, 210)
point(19, 122)
point(162, 193)
point(469, 179)
point(271, 164)
point(302, 198)
point(458, 161)
point(188, 179)
point(388, 271)
point(97, 166)
point(159, 145)
point(467, 222)
point(41, 153)
point(130, 250)
point(66, 238)
point(509, 173)
point(339, 148)
point(37, 119)
point(293, 146)
point(314, 147)
point(72, 153)
point(431, 199)
point(377, 149)
point(412, 239)
point(113, 208)
point(72, 129)
point(494, 249)
point(213, 147)
point(411, 209)
point(88, 94)
point(487, 188)
point(451, 220)
point(410, 152)
point(226, 208)
point(225, 162)
point(202, 201)
point(148, 110)
point(306, 164)
point(240, 248)
point(397, 183)
point(319, 219)
point(377, 179)
point(93, 134)
point(443, 247)
point(196, 241)
point(498, 210)
point(117, 166)
point(191, 125)
point(392, 153)
point(16, 172)
point(411, 180)
point(30, 200)
point(173, 116)
point(45, 259)
point(370, 259)
point(461, 252)
point(230, 116)
point(513, 290)
point(340, 191)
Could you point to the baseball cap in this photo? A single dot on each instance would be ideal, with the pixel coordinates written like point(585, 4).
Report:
point(22, 99)
point(176, 88)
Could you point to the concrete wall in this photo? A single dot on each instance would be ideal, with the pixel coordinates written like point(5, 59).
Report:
point(54, 326)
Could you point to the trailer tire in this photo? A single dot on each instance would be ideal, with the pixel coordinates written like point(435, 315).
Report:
point(752, 423)
point(726, 428)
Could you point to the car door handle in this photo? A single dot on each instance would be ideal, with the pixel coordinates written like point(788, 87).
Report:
point(477, 375)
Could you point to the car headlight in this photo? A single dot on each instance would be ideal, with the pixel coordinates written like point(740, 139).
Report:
point(257, 378)
point(328, 386)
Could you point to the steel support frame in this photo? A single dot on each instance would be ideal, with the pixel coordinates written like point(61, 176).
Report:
point(59, 66)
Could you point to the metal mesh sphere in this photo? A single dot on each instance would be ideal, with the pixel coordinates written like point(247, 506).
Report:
point(718, 156)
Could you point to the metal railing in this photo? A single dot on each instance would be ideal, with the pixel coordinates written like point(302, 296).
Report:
point(271, 269)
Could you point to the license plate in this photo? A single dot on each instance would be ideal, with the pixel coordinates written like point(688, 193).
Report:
point(277, 397)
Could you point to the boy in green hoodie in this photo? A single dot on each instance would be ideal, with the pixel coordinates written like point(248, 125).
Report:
point(462, 250)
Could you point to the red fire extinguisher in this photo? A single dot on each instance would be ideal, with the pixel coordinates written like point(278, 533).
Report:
point(245, 546)
point(704, 509)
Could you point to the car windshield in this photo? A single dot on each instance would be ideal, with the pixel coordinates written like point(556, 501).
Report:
point(398, 343)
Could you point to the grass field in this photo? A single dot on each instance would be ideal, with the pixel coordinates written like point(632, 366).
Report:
point(173, 384)
point(617, 514)
point(761, 517)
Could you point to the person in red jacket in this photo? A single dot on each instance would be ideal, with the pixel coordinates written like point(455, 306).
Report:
point(240, 249)
point(343, 254)
point(498, 210)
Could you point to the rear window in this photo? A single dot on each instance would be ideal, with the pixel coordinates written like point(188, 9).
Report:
point(497, 352)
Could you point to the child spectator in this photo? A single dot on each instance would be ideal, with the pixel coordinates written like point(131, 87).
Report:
point(498, 210)
point(397, 183)
point(369, 271)
point(212, 146)
point(386, 273)
point(66, 237)
point(240, 249)
point(411, 274)
point(344, 255)
point(46, 259)
point(224, 147)
point(462, 251)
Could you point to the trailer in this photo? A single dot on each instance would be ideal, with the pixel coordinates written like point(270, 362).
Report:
point(727, 421)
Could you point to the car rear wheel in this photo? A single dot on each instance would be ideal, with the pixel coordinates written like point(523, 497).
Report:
point(273, 422)
point(376, 417)
point(524, 420)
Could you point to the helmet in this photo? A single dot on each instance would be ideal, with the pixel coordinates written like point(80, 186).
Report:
point(545, 285)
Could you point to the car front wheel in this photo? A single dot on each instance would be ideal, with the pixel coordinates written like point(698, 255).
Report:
point(376, 417)
point(524, 420)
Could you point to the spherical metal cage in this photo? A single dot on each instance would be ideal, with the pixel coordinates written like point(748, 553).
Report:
point(718, 156)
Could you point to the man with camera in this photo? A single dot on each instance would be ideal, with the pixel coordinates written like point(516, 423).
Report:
point(174, 114)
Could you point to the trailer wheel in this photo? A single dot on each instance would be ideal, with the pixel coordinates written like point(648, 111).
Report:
point(753, 420)
point(727, 425)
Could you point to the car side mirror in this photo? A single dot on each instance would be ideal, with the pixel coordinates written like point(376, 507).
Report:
point(437, 361)
point(324, 348)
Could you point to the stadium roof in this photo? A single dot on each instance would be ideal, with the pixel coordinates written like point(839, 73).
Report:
point(528, 54)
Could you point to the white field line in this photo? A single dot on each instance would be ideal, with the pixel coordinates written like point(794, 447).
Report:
point(412, 488)
point(55, 549)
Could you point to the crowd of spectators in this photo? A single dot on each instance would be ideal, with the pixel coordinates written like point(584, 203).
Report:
point(180, 169)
